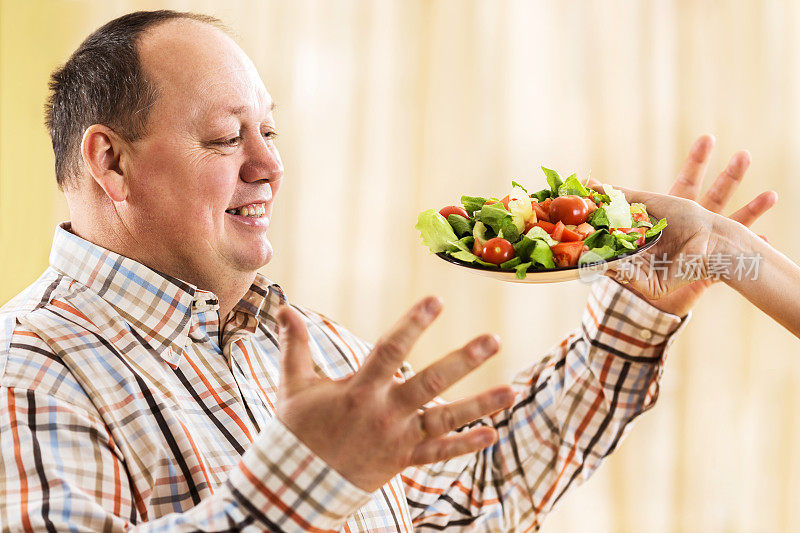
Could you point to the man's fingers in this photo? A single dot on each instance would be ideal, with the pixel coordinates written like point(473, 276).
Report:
point(755, 208)
point(690, 178)
point(390, 351)
point(717, 197)
point(443, 419)
point(437, 377)
point(444, 448)
point(297, 366)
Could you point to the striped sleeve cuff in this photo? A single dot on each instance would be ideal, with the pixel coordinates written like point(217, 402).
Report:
point(625, 325)
point(286, 487)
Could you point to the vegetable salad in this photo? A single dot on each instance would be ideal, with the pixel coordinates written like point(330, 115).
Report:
point(564, 225)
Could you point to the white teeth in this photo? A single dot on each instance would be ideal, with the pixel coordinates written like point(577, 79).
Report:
point(253, 210)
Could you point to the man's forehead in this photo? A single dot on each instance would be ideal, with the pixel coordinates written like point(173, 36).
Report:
point(225, 109)
point(198, 63)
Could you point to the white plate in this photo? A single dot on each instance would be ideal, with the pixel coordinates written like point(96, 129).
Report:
point(586, 272)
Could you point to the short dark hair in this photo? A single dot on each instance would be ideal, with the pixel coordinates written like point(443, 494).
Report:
point(103, 83)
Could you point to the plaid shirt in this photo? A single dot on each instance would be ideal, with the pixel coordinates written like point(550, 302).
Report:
point(125, 404)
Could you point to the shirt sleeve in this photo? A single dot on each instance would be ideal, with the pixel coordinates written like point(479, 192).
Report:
point(571, 411)
point(61, 470)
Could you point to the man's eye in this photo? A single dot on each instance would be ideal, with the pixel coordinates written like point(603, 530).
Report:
point(233, 141)
point(269, 135)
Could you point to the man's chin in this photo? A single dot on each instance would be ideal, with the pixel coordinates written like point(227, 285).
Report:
point(253, 259)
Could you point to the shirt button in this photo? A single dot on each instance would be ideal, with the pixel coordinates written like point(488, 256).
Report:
point(645, 334)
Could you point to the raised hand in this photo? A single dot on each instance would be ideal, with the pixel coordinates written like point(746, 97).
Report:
point(691, 230)
point(368, 426)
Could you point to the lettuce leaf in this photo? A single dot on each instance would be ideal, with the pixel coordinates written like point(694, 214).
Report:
point(541, 196)
point(479, 232)
point(466, 242)
point(537, 232)
point(521, 270)
point(661, 224)
point(599, 239)
point(598, 218)
point(461, 226)
point(618, 210)
point(469, 257)
point(597, 254)
point(573, 186)
point(524, 248)
point(494, 216)
point(542, 254)
point(436, 232)
point(600, 197)
point(509, 232)
point(472, 203)
point(625, 243)
point(553, 180)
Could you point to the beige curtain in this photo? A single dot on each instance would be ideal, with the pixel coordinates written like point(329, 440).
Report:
point(386, 108)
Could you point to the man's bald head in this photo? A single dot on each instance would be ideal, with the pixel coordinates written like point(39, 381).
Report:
point(104, 82)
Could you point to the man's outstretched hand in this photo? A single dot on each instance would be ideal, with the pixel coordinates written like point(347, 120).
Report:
point(369, 426)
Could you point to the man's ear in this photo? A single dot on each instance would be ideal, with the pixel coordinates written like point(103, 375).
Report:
point(101, 149)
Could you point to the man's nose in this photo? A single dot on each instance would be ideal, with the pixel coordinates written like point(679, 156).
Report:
point(263, 161)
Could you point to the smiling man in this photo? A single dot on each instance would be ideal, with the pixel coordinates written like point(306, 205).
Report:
point(152, 379)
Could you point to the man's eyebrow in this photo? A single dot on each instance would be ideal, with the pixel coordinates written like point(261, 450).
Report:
point(239, 110)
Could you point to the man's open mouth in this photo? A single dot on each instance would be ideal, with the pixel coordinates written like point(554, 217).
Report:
point(250, 210)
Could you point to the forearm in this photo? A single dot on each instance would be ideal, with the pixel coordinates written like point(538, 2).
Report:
point(277, 481)
point(572, 409)
point(773, 286)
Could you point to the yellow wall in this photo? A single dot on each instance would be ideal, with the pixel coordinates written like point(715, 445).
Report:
point(31, 45)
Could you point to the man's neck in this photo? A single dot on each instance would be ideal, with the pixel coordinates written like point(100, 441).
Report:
point(230, 294)
point(229, 287)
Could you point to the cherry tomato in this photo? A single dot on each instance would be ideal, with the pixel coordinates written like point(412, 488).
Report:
point(584, 230)
point(567, 253)
point(564, 234)
point(640, 217)
point(452, 210)
point(590, 205)
point(545, 225)
point(497, 250)
point(569, 210)
point(542, 213)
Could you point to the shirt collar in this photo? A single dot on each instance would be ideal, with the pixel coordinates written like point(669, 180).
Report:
point(157, 306)
point(258, 306)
